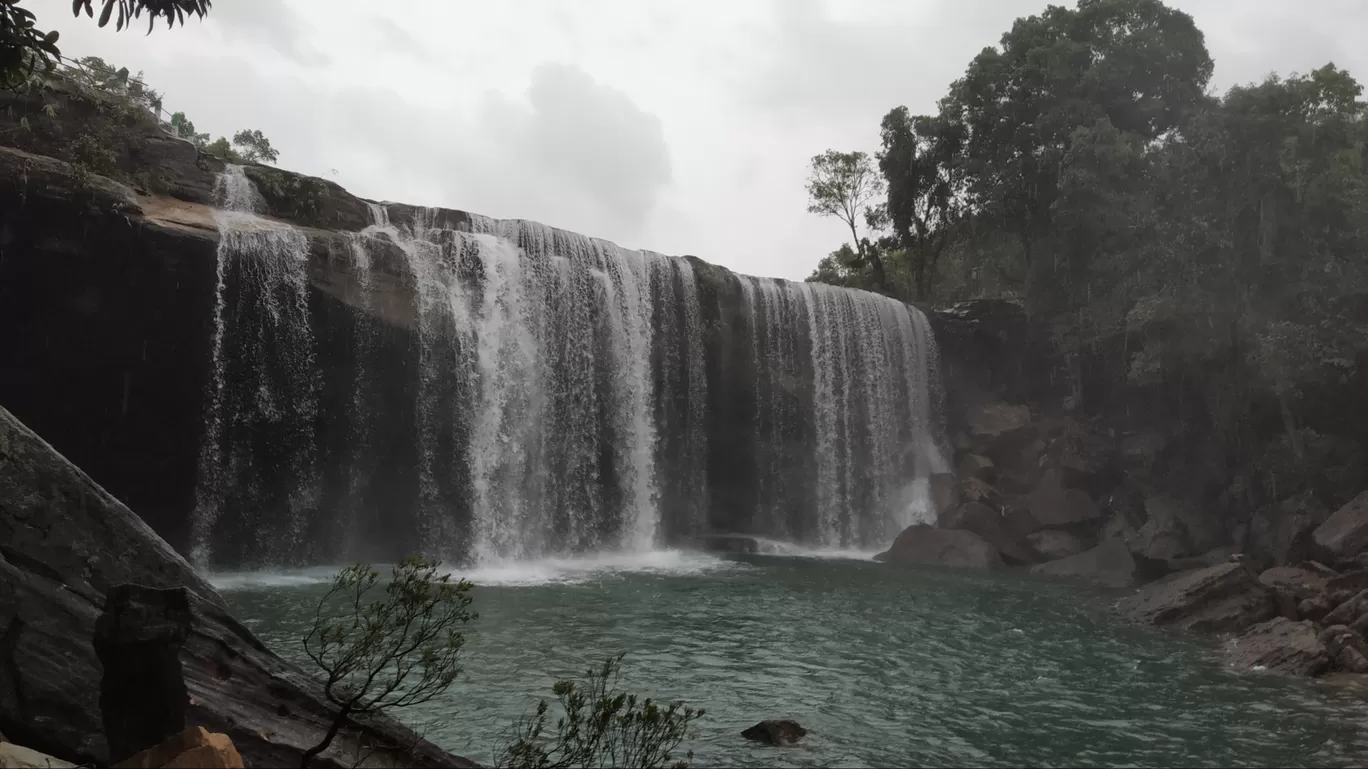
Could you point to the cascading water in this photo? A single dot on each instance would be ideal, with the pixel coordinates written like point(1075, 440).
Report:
point(258, 459)
point(505, 390)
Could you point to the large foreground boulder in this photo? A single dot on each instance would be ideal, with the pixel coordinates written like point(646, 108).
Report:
point(1110, 564)
point(1280, 645)
point(64, 544)
point(1217, 599)
point(923, 545)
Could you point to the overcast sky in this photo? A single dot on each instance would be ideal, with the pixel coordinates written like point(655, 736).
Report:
point(680, 126)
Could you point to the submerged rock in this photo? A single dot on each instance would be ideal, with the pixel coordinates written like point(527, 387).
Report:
point(64, 544)
point(1281, 646)
point(1217, 599)
point(776, 732)
point(1110, 564)
point(923, 545)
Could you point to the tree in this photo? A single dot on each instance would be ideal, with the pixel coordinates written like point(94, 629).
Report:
point(600, 726)
point(24, 49)
point(253, 147)
point(920, 162)
point(843, 185)
point(172, 10)
point(183, 127)
point(1135, 64)
point(398, 650)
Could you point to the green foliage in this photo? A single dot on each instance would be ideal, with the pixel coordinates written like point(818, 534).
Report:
point(394, 651)
point(173, 11)
point(845, 185)
point(23, 48)
point(600, 726)
point(253, 147)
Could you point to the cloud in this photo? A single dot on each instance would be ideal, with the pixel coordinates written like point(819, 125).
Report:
point(588, 138)
point(272, 24)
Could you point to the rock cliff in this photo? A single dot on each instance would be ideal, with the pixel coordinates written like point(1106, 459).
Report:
point(66, 543)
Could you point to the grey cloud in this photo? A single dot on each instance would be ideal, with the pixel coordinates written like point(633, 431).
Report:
point(400, 40)
point(272, 23)
point(577, 154)
point(906, 53)
point(590, 139)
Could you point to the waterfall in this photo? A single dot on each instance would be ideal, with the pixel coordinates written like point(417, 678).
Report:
point(488, 390)
point(258, 457)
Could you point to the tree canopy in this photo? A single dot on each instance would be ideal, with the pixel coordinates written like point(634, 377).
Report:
point(1083, 167)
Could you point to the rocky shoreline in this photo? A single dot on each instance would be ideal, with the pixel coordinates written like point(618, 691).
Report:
point(1287, 589)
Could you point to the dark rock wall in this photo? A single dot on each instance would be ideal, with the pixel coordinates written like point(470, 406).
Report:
point(103, 333)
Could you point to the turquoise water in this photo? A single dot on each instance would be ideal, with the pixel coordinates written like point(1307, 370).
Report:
point(886, 667)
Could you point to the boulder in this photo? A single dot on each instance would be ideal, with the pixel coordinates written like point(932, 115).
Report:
point(1348, 610)
point(1054, 505)
point(1346, 648)
point(776, 732)
point(975, 466)
point(996, 419)
point(1053, 544)
point(65, 544)
point(194, 747)
point(15, 757)
point(1282, 533)
point(1201, 531)
point(1314, 608)
point(1280, 645)
point(1108, 565)
point(1345, 533)
point(1348, 583)
point(989, 524)
point(1301, 583)
point(922, 545)
point(1217, 599)
point(1020, 522)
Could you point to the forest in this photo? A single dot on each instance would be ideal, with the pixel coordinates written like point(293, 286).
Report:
point(1085, 168)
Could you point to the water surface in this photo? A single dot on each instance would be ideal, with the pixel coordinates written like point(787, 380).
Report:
point(887, 667)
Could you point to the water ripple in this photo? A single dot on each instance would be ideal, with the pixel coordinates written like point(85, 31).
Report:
point(886, 667)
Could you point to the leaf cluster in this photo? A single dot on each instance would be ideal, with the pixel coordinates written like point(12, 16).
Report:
point(600, 726)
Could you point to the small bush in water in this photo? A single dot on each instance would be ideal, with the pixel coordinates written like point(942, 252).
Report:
point(601, 726)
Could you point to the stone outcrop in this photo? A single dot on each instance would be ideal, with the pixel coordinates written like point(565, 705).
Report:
point(923, 545)
point(1217, 599)
point(1280, 645)
point(1345, 533)
point(989, 524)
point(65, 544)
point(1110, 565)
